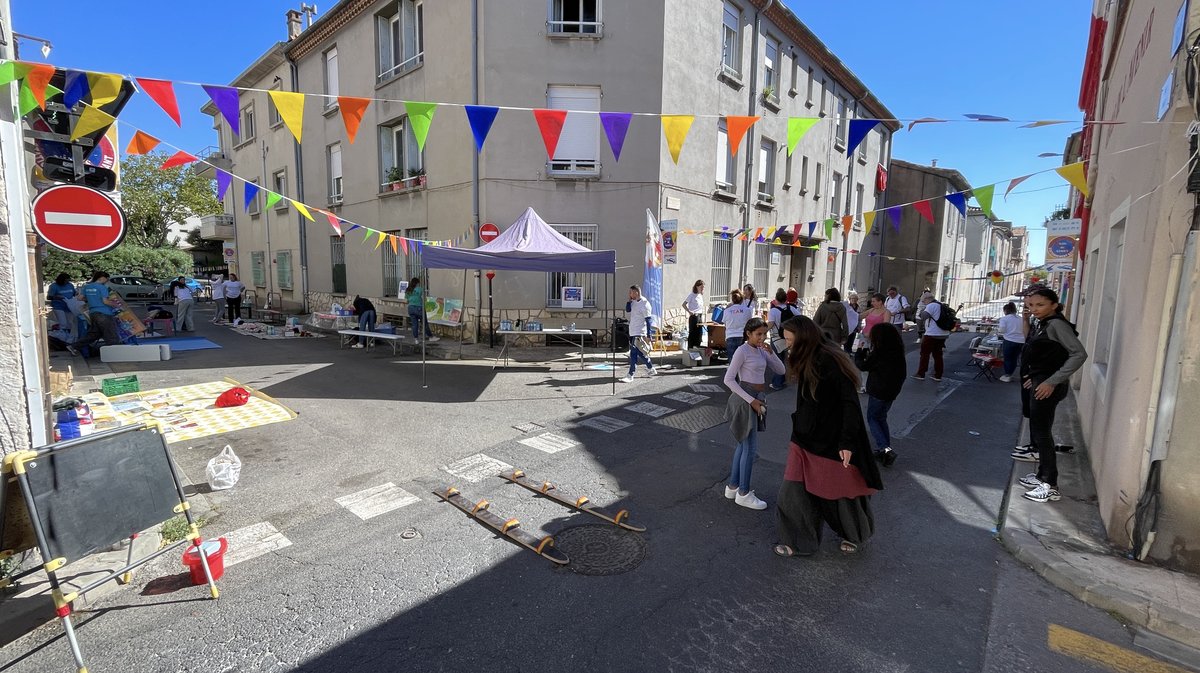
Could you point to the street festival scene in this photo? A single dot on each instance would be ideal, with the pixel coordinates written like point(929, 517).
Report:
point(702, 335)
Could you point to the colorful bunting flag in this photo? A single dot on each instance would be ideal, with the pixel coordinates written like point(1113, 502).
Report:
point(251, 192)
point(736, 127)
point(392, 240)
point(616, 125)
point(895, 212)
point(75, 88)
point(161, 92)
point(404, 245)
point(986, 118)
point(8, 72)
point(859, 128)
point(812, 228)
point(303, 211)
point(380, 241)
point(273, 198)
point(959, 201)
point(925, 208)
point(420, 115)
point(226, 101)
point(847, 222)
point(290, 106)
point(829, 225)
point(984, 196)
point(333, 222)
point(38, 78)
point(550, 123)
point(105, 87)
point(1076, 175)
point(90, 120)
point(141, 143)
point(925, 120)
point(180, 158)
point(352, 113)
point(797, 127)
point(1039, 124)
point(223, 181)
point(868, 222)
point(26, 101)
point(1012, 184)
point(481, 118)
point(675, 129)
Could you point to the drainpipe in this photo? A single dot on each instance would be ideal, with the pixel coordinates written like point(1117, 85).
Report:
point(753, 107)
point(299, 154)
point(475, 165)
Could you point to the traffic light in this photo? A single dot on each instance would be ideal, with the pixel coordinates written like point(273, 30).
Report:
point(85, 160)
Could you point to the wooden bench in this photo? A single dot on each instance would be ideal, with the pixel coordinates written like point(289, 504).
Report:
point(348, 336)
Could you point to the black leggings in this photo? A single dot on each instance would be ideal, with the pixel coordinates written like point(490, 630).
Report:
point(233, 306)
point(693, 331)
point(1041, 425)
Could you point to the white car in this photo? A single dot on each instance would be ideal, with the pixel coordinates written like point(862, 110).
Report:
point(136, 288)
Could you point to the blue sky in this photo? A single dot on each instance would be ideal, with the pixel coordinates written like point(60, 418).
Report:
point(938, 58)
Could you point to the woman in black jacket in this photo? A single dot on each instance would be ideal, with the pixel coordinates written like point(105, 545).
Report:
point(887, 370)
point(830, 472)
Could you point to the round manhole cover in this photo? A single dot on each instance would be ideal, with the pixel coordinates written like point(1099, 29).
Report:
point(599, 549)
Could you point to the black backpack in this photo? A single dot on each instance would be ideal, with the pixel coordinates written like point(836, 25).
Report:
point(947, 317)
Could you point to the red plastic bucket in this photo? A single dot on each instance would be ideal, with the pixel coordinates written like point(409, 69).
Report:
point(215, 551)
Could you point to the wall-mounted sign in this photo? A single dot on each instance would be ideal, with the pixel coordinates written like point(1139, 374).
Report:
point(572, 297)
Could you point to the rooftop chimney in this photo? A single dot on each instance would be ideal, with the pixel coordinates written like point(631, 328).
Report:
point(294, 27)
point(933, 163)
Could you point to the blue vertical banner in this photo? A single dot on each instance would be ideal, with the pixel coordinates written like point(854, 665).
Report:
point(652, 276)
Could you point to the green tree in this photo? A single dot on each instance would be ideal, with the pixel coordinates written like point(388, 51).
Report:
point(155, 263)
point(154, 198)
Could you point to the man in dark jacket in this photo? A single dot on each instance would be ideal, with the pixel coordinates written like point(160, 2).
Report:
point(366, 318)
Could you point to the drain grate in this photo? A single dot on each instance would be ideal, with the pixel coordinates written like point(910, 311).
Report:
point(600, 549)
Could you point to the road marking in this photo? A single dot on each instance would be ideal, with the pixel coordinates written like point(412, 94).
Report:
point(605, 424)
point(549, 442)
point(252, 542)
point(947, 387)
point(79, 219)
point(477, 467)
point(1103, 654)
point(649, 409)
point(686, 397)
point(377, 500)
point(529, 427)
point(706, 388)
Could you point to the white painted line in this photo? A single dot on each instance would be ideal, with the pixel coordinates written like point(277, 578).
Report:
point(549, 442)
point(706, 388)
point(378, 500)
point(605, 424)
point(477, 467)
point(252, 542)
point(79, 219)
point(686, 397)
point(649, 409)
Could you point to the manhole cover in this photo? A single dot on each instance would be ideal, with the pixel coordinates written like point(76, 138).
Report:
point(600, 549)
point(696, 419)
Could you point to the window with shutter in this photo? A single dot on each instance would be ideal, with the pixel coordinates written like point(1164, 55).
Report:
point(578, 150)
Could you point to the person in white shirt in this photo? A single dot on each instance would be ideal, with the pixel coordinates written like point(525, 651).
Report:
point(896, 304)
point(735, 316)
point(934, 341)
point(233, 297)
point(218, 295)
point(1013, 330)
point(183, 306)
point(640, 321)
point(747, 378)
point(694, 305)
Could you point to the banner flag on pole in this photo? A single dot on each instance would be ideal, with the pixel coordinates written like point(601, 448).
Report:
point(959, 201)
point(736, 126)
point(251, 192)
point(616, 125)
point(550, 123)
point(859, 128)
point(223, 181)
point(290, 106)
point(652, 275)
point(161, 92)
point(1076, 175)
point(421, 117)
point(797, 127)
point(925, 208)
point(226, 101)
point(984, 196)
point(352, 114)
point(481, 118)
point(675, 129)
point(91, 119)
point(105, 87)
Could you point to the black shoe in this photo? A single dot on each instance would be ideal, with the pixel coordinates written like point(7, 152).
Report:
point(889, 457)
point(1064, 448)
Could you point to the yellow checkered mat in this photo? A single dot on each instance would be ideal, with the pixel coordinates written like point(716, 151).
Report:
point(188, 412)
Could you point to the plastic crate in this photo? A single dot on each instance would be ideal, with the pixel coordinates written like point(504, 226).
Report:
point(120, 385)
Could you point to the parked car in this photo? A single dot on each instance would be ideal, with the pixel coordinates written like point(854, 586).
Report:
point(135, 288)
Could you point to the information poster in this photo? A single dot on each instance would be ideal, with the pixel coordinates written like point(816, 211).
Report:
point(670, 240)
point(572, 297)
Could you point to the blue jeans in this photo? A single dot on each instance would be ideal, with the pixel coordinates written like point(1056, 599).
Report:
point(877, 411)
point(634, 356)
point(414, 317)
point(743, 460)
point(366, 323)
point(1011, 355)
point(732, 344)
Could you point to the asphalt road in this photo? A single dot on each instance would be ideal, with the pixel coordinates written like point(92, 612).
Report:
point(423, 588)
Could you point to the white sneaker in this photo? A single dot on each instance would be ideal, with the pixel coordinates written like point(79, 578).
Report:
point(433, 339)
point(357, 346)
point(750, 501)
point(1030, 480)
point(627, 379)
point(730, 492)
point(1006, 378)
point(1043, 493)
point(651, 372)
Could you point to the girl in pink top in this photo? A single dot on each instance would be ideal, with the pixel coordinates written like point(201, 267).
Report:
point(876, 314)
point(747, 378)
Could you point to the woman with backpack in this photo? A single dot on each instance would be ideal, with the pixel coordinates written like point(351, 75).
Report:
point(886, 370)
point(831, 317)
point(782, 309)
point(830, 473)
point(1052, 353)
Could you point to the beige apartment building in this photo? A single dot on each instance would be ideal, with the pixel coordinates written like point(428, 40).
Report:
point(1138, 300)
point(704, 57)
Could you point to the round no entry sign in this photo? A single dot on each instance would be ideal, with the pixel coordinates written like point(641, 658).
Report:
point(488, 232)
point(78, 219)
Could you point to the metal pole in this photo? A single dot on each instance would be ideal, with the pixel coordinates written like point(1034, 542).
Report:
point(491, 332)
point(269, 262)
point(475, 170)
point(299, 153)
point(424, 326)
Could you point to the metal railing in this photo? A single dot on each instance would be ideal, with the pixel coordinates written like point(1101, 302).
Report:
point(404, 66)
point(575, 27)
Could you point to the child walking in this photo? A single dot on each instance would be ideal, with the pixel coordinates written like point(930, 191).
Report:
point(747, 378)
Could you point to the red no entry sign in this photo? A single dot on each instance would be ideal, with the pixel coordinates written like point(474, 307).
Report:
point(488, 232)
point(78, 219)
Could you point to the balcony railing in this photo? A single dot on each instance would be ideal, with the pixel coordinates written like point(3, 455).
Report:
point(584, 28)
point(400, 68)
point(217, 227)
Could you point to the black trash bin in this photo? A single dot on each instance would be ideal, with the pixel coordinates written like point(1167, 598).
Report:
point(621, 334)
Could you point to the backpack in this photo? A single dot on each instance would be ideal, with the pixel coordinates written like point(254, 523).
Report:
point(947, 317)
point(785, 314)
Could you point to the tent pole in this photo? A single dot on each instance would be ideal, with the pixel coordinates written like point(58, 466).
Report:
point(424, 326)
point(612, 325)
point(462, 323)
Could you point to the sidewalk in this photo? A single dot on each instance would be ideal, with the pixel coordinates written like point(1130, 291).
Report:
point(1065, 542)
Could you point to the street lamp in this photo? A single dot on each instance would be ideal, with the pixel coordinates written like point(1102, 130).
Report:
point(46, 46)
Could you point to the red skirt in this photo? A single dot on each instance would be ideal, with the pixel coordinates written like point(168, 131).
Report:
point(823, 477)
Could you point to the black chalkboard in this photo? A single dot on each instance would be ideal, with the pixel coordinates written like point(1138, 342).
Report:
point(93, 492)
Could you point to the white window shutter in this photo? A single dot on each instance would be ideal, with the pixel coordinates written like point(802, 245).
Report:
point(580, 137)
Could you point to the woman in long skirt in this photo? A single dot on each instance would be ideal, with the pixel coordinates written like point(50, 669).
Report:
point(831, 473)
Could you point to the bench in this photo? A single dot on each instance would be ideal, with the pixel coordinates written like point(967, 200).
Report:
point(348, 336)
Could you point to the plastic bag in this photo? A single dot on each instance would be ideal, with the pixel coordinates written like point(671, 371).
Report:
point(234, 397)
point(224, 469)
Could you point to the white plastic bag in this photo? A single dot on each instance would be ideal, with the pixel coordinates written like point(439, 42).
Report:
point(224, 469)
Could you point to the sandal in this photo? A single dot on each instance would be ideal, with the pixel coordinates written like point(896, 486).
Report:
point(849, 547)
point(784, 551)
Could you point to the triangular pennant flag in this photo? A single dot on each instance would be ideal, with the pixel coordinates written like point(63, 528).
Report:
point(847, 222)
point(1076, 175)
point(675, 129)
point(90, 120)
point(925, 120)
point(8, 72)
point(797, 127)
point(481, 118)
point(223, 181)
point(796, 231)
point(868, 222)
point(758, 234)
point(616, 125)
point(404, 245)
point(180, 158)
point(1013, 184)
point(352, 113)
point(105, 87)
point(895, 212)
point(303, 211)
point(290, 106)
point(812, 228)
point(333, 222)
point(75, 88)
point(251, 192)
point(959, 201)
point(925, 208)
point(829, 225)
point(273, 198)
point(141, 143)
point(395, 248)
point(550, 123)
point(226, 101)
point(796, 242)
point(736, 127)
point(367, 236)
point(380, 241)
point(986, 118)
point(162, 92)
point(352, 227)
point(1039, 124)
point(26, 101)
point(859, 128)
point(421, 116)
point(38, 78)
point(984, 196)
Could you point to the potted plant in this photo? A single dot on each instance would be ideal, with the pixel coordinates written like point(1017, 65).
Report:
point(395, 178)
point(768, 92)
point(419, 174)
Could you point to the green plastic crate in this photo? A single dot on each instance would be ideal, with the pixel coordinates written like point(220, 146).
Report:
point(120, 385)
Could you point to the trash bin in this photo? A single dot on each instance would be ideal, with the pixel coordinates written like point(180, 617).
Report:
point(214, 550)
point(621, 334)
